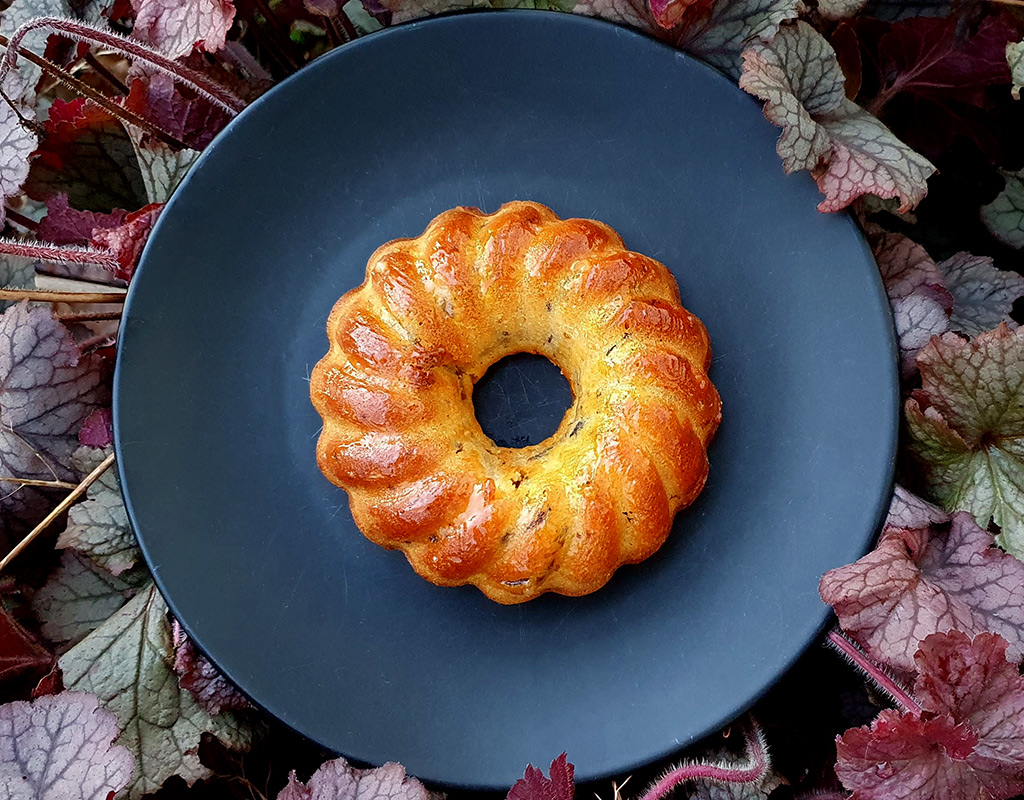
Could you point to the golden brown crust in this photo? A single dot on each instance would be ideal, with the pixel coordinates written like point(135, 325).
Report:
point(400, 435)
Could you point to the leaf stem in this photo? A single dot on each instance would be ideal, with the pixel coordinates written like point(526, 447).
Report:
point(62, 506)
point(59, 254)
point(100, 69)
point(750, 772)
point(85, 90)
point(873, 671)
point(41, 296)
point(84, 32)
point(19, 219)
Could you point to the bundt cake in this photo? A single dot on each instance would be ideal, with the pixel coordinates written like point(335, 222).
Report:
point(400, 436)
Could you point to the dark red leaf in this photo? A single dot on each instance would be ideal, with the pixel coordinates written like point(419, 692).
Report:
point(127, 240)
point(968, 742)
point(98, 429)
point(66, 225)
point(931, 75)
point(933, 56)
point(534, 786)
point(195, 672)
point(159, 99)
point(86, 154)
point(51, 683)
point(844, 41)
point(19, 652)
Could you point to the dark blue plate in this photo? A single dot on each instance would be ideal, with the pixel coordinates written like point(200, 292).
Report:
point(257, 553)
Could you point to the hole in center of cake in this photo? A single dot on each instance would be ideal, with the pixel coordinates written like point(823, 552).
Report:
point(521, 400)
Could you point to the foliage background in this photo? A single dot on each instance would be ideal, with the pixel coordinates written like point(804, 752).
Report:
point(906, 113)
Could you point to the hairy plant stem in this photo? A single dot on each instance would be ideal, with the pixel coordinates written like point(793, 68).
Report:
point(873, 672)
point(63, 506)
point(84, 32)
point(41, 296)
point(59, 254)
point(85, 90)
point(751, 772)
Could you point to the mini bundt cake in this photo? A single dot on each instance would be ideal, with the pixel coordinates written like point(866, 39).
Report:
point(400, 436)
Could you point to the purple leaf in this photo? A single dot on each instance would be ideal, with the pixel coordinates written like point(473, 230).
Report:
point(337, 780)
point(195, 672)
point(59, 748)
point(47, 390)
point(968, 744)
point(178, 26)
point(924, 581)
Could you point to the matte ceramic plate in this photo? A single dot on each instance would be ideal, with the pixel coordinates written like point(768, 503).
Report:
point(257, 553)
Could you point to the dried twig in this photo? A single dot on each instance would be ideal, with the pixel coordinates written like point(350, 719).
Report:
point(42, 296)
point(33, 482)
point(63, 506)
point(90, 316)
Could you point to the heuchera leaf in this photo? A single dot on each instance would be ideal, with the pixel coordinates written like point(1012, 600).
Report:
point(966, 427)
point(211, 690)
point(798, 75)
point(337, 780)
point(1004, 216)
point(163, 168)
point(983, 296)
point(86, 154)
point(59, 748)
point(16, 273)
point(127, 663)
point(833, 10)
point(127, 240)
point(17, 142)
point(178, 26)
point(907, 510)
point(1015, 60)
point(719, 35)
point(66, 225)
point(19, 652)
point(921, 305)
point(98, 429)
point(159, 99)
point(535, 786)
point(18, 85)
point(404, 10)
point(79, 596)
point(668, 13)
point(924, 581)
point(933, 75)
point(47, 389)
point(98, 527)
point(968, 744)
point(625, 12)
